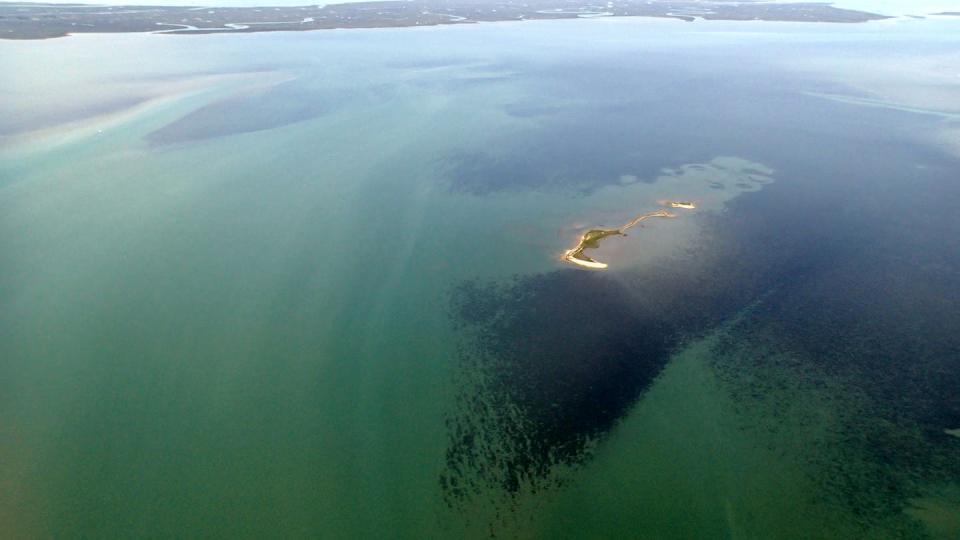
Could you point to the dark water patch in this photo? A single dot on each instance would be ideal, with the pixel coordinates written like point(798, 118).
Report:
point(578, 148)
point(849, 361)
point(855, 436)
point(821, 423)
point(854, 355)
point(277, 106)
point(551, 362)
point(611, 121)
point(563, 356)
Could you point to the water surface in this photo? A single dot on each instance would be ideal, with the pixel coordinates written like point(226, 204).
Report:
point(309, 285)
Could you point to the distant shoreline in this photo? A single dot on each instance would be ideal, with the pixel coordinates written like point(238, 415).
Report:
point(24, 21)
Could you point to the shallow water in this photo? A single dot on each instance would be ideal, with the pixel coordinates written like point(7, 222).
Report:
point(283, 284)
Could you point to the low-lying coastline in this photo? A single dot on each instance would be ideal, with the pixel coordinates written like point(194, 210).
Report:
point(43, 21)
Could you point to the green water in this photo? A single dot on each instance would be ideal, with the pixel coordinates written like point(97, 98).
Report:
point(247, 336)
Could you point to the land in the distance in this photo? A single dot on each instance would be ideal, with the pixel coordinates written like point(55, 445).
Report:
point(41, 21)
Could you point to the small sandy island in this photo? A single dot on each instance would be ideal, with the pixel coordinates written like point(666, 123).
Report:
point(591, 239)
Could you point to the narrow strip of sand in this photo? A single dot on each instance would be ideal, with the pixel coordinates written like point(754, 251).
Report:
point(591, 239)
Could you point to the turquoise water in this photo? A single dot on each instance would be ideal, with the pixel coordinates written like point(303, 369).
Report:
point(228, 264)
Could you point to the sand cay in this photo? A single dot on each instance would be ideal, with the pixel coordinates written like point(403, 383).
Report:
point(591, 239)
